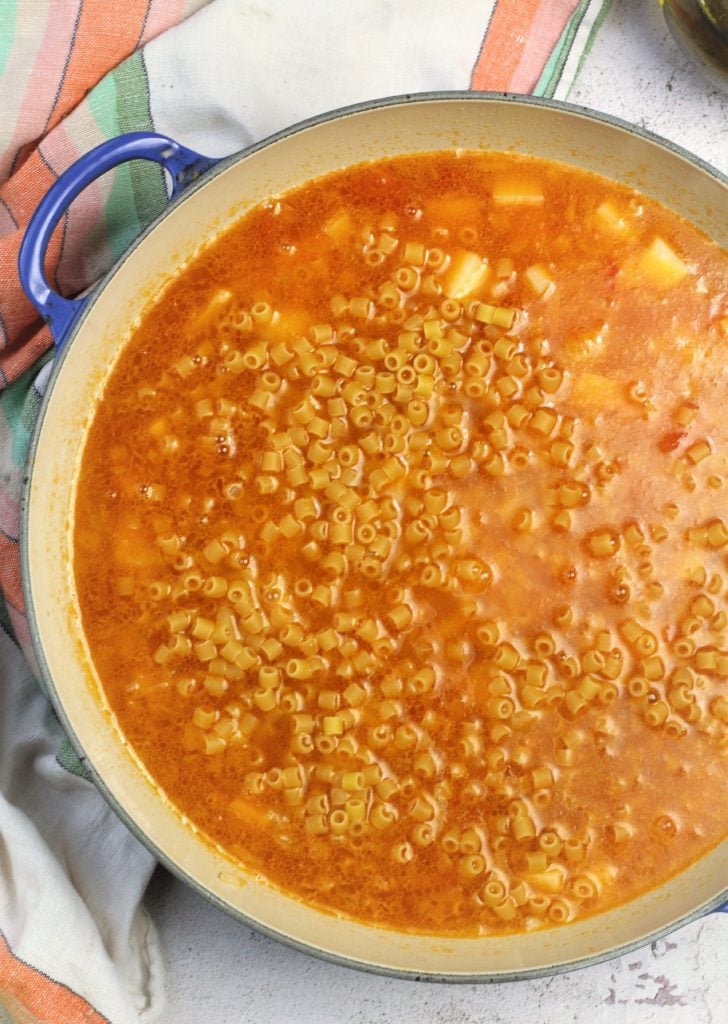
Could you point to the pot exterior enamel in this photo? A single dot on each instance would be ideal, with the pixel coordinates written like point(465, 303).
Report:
point(404, 125)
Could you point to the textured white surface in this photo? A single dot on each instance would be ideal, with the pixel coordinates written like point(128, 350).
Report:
point(222, 973)
point(635, 71)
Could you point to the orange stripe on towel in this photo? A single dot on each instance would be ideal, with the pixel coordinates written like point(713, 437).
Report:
point(11, 589)
point(106, 33)
point(34, 998)
point(26, 188)
point(15, 360)
point(519, 42)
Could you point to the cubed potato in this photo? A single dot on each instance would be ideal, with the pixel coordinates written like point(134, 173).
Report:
point(130, 551)
point(291, 323)
point(159, 426)
point(219, 300)
point(661, 266)
point(247, 811)
point(517, 190)
point(609, 218)
point(453, 209)
point(504, 268)
point(585, 349)
point(467, 273)
point(217, 304)
point(593, 389)
point(339, 227)
point(539, 280)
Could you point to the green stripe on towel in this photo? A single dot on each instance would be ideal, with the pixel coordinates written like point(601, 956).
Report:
point(120, 103)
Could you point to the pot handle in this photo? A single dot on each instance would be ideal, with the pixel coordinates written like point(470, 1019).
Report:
point(184, 166)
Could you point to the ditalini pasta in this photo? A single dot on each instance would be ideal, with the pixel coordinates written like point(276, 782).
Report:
point(401, 542)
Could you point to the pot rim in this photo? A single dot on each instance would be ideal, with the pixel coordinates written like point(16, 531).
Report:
point(166, 860)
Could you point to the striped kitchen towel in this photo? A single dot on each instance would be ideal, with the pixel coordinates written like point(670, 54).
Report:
point(75, 944)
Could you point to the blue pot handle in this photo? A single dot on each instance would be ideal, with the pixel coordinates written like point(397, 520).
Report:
point(184, 167)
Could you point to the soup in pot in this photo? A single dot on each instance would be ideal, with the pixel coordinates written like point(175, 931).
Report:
point(401, 542)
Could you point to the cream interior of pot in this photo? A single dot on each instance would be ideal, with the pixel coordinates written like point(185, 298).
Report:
point(426, 124)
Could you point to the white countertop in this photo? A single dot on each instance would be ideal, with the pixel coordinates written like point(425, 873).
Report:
point(220, 972)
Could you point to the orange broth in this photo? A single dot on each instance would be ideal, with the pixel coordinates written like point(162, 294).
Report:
point(400, 542)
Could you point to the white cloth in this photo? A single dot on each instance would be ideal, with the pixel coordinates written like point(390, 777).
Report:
point(72, 877)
